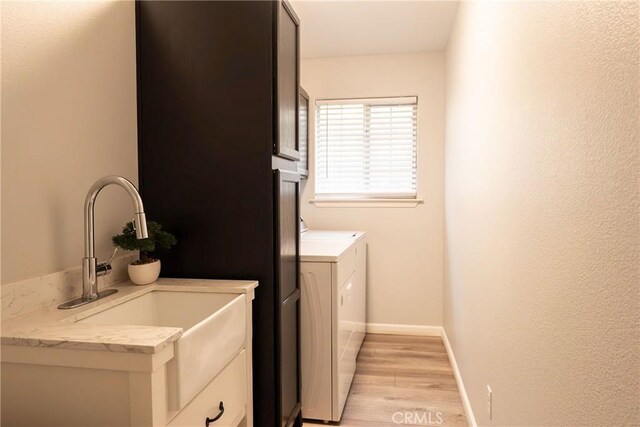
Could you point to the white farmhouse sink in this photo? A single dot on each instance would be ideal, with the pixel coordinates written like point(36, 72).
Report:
point(214, 326)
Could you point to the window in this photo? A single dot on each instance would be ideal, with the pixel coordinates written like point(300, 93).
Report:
point(366, 148)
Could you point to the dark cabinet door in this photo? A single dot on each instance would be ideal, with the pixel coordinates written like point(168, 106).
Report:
point(303, 133)
point(287, 237)
point(287, 192)
point(290, 360)
point(287, 53)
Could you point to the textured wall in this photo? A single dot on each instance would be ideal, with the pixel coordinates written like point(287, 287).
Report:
point(405, 244)
point(68, 118)
point(542, 238)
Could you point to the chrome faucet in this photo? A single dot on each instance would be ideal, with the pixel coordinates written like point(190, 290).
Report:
point(91, 270)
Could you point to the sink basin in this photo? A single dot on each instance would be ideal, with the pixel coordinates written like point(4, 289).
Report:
point(214, 326)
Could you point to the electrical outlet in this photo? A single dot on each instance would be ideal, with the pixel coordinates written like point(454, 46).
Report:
point(489, 402)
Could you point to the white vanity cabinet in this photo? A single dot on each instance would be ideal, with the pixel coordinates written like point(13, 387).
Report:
point(101, 380)
point(333, 320)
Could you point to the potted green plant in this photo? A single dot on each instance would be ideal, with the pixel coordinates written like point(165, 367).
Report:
point(147, 269)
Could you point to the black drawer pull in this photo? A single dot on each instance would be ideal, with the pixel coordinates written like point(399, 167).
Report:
point(216, 418)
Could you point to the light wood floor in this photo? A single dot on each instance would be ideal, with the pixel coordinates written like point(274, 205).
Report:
point(408, 375)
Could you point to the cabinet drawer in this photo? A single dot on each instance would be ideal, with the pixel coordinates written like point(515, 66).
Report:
point(229, 387)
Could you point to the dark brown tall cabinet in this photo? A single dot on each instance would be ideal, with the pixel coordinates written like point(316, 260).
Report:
point(218, 150)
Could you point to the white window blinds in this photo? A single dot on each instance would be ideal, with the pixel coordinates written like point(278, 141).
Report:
point(366, 148)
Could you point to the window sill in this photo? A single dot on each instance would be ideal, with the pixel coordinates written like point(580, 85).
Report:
point(366, 203)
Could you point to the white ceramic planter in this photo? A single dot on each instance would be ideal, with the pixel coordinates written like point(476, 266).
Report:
point(144, 274)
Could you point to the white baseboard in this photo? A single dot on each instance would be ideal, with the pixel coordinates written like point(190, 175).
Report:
point(392, 329)
point(456, 372)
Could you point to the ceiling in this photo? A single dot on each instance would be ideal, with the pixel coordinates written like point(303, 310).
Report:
point(362, 27)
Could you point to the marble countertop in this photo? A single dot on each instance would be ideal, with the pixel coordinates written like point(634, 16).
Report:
point(327, 246)
point(55, 328)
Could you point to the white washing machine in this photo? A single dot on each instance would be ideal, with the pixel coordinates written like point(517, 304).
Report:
point(333, 319)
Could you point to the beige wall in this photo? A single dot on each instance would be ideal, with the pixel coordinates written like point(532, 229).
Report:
point(405, 244)
point(542, 235)
point(68, 118)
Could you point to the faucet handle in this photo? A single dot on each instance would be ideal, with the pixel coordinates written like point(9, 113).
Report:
point(113, 254)
point(105, 268)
